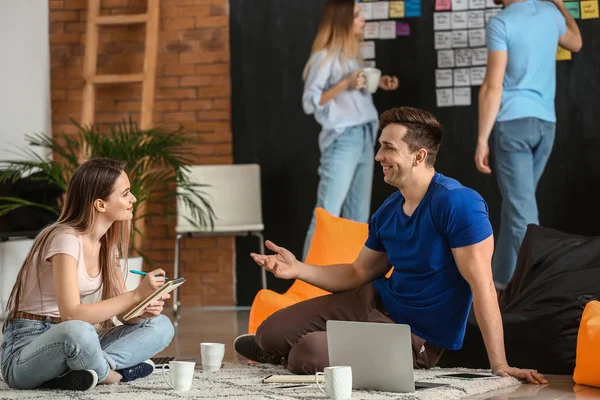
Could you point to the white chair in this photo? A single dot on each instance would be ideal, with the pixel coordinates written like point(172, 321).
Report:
point(234, 193)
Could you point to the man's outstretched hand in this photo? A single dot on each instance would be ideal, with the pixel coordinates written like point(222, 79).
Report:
point(282, 264)
point(529, 375)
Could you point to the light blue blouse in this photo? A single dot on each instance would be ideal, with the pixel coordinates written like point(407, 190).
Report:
point(347, 109)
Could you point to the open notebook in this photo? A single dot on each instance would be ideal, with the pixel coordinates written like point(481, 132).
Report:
point(158, 293)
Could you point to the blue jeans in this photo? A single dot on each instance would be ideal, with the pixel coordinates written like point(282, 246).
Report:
point(521, 149)
point(34, 352)
point(346, 178)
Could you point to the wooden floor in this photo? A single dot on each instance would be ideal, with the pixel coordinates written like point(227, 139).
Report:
point(196, 325)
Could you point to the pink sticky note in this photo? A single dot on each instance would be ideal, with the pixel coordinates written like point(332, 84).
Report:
point(402, 29)
point(443, 5)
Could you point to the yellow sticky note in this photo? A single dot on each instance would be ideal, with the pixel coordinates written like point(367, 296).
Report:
point(396, 9)
point(589, 9)
point(563, 54)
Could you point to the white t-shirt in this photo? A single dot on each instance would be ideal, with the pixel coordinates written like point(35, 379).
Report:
point(44, 303)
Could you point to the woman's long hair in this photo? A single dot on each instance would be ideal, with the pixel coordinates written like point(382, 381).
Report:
point(336, 32)
point(94, 179)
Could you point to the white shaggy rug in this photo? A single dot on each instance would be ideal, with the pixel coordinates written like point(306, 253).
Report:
point(242, 381)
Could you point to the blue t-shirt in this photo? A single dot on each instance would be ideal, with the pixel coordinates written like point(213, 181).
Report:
point(529, 31)
point(426, 290)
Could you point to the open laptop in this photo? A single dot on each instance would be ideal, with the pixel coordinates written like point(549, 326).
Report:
point(380, 355)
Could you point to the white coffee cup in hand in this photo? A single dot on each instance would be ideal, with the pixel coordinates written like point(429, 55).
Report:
point(212, 356)
point(337, 382)
point(372, 76)
point(181, 373)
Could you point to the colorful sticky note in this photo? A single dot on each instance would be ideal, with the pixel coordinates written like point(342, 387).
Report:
point(443, 5)
point(396, 9)
point(563, 54)
point(589, 9)
point(573, 7)
point(403, 29)
point(412, 8)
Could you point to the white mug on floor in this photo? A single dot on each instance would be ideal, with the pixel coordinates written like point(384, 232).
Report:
point(372, 77)
point(337, 382)
point(182, 374)
point(212, 356)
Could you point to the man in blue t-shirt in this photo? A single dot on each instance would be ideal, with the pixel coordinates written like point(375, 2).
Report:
point(437, 236)
point(516, 106)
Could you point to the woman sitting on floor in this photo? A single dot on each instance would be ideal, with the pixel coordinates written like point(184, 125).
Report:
point(49, 337)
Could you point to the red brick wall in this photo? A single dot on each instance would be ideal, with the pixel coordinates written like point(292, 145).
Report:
point(192, 88)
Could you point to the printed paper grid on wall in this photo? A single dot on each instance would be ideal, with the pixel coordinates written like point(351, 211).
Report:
point(460, 42)
point(459, 37)
point(383, 22)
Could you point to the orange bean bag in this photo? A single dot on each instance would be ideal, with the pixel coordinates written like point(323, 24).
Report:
point(335, 241)
point(587, 364)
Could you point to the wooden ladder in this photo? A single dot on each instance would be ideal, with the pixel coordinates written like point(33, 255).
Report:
point(147, 77)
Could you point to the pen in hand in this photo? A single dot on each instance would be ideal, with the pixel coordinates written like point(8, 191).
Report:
point(134, 271)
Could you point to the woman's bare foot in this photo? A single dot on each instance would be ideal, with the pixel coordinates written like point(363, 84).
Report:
point(112, 378)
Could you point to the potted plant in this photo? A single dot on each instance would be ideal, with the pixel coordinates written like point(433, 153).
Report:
point(156, 161)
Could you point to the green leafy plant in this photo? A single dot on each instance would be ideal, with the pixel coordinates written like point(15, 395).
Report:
point(157, 160)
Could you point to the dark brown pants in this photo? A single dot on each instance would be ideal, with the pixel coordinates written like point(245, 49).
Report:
point(297, 333)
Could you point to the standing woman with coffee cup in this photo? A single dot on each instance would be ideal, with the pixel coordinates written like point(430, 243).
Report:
point(335, 92)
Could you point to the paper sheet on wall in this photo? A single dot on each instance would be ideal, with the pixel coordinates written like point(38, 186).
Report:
point(460, 39)
point(573, 7)
point(402, 29)
point(367, 49)
point(462, 96)
point(381, 10)
point(491, 13)
point(445, 58)
point(443, 5)
point(477, 37)
point(563, 54)
point(443, 78)
point(476, 4)
point(387, 29)
point(475, 19)
point(460, 5)
point(396, 9)
point(367, 10)
point(442, 21)
point(589, 9)
point(443, 40)
point(463, 57)
point(444, 97)
point(460, 19)
point(371, 30)
point(477, 75)
point(462, 77)
point(479, 56)
point(412, 8)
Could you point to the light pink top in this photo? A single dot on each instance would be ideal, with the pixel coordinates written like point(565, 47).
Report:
point(44, 303)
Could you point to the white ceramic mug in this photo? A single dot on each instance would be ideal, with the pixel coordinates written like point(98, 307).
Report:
point(182, 374)
point(337, 382)
point(212, 356)
point(372, 78)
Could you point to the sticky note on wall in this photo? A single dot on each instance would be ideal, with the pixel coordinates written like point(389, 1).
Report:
point(589, 9)
point(563, 54)
point(396, 9)
point(573, 7)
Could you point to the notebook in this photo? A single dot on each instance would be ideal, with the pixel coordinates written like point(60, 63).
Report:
point(158, 293)
point(292, 379)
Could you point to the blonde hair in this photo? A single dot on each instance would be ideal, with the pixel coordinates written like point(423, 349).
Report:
point(94, 179)
point(336, 33)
